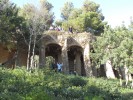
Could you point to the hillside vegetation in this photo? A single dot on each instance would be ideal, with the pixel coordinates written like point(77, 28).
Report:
point(45, 84)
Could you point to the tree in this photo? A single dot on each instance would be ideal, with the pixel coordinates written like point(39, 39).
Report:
point(115, 45)
point(75, 13)
point(66, 10)
point(38, 20)
point(10, 23)
point(89, 18)
point(58, 23)
point(88, 22)
point(89, 6)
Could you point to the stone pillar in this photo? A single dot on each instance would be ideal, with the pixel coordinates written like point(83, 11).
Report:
point(65, 58)
point(71, 65)
point(125, 73)
point(87, 63)
point(42, 55)
point(21, 59)
point(78, 63)
point(94, 71)
point(109, 70)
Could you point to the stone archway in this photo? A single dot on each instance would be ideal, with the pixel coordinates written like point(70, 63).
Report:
point(73, 52)
point(53, 50)
point(49, 47)
point(75, 59)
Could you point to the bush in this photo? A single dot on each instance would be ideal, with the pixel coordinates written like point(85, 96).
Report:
point(77, 81)
point(93, 98)
point(45, 84)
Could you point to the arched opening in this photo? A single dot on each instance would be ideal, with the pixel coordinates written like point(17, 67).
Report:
point(75, 59)
point(49, 47)
point(52, 54)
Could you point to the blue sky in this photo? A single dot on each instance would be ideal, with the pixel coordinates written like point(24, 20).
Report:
point(115, 11)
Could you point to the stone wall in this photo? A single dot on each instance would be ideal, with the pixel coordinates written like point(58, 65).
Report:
point(22, 57)
point(77, 43)
point(80, 42)
point(6, 55)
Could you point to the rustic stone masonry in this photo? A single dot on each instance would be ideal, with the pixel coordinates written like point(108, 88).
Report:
point(6, 56)
point(71, 49)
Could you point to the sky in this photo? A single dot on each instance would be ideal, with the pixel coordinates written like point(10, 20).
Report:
point(115, 11)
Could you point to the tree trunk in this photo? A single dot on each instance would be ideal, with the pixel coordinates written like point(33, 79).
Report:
point(33, 53)
point(125, 74)
point(94, 71)
point(42, 55)
point(120, 77)
point(29, 51)
point(109, 70)
point(132, 85)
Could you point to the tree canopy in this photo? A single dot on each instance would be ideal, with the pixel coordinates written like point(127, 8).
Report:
point(66, 10)
point(40, 15)
point(87, 18)
point(116, 45)
point(38, 20)
point(10, 22)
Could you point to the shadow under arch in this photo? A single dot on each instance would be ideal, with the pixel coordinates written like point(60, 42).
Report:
point(75, 59)
point(53, 50)
point(49, 47)
point(49, 39)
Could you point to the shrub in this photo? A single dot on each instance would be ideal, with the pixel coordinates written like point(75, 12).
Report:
point(77, 81)
point(45, 84)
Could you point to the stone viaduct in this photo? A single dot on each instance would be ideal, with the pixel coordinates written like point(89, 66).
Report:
point(71, 49)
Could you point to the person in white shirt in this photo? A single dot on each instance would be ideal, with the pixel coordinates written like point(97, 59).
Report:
point(59, 67)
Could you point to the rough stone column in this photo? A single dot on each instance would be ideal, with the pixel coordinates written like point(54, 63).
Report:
point(87, 63)
point(65, 58)
point(21, 59)
point(109, 70)
point(42, 55)
point(125, 73)
point(94, 71)
point(71, 65)
point(78, 63)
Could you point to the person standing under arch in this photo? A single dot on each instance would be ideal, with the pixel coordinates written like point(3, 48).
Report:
point(59, 67)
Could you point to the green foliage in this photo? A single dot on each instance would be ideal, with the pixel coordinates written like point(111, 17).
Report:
point(89, 18)
point(66, 10)
point(90, 6)
point(37, 20)
point(77, 81)
point(58, 23)
point(46, 84)
point(75, 13)
point(53, 32)
point(116, 45)
point(93, 98)
point(49, 61)
point(87, 22)
point(10, 23)
point(41, 17)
